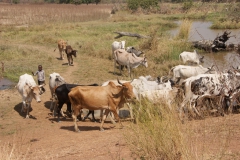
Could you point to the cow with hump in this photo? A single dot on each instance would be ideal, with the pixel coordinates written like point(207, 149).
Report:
point(110, 98)
point(130, 60)
point(28, 89)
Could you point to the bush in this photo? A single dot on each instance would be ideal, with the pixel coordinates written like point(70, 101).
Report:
point(133, 4)
point(144, 4)
point(187, 4)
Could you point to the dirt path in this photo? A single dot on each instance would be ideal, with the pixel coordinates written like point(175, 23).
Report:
point(41, 137)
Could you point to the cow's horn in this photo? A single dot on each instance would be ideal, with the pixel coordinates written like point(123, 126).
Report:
point(212, 66)
point(119, 81)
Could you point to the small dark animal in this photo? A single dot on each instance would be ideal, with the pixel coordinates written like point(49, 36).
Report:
point(62, 96)
point(70, 52)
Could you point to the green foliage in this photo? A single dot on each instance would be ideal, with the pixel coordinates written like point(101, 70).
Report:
point(144, 4)
point(147, 4)
point(133, 4)
point(187, 4)
point(15, 1)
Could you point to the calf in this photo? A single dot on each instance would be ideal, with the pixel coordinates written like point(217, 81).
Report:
point(70, 52)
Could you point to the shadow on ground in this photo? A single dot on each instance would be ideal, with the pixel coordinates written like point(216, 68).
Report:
point(18, 108)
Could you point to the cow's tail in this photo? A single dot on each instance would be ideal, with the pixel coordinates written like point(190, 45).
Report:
point(180, 57)
point(171, 70)
point(115, 55)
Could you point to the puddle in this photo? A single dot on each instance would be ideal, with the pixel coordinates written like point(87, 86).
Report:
point(5, 84)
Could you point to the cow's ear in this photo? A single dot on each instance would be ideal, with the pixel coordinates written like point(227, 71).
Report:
point(30, 86)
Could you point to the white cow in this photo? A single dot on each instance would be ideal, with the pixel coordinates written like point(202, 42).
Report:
point(142, 84)
point(55, 80)
point(161, 95)
point(130, 60)
point(183, 71)
point(28, 89)
point(117, 45)
point(191, 57)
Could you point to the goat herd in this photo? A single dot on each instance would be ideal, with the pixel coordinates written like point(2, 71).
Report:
point(203, 90)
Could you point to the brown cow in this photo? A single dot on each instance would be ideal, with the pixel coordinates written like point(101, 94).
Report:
point(70, 52)
point(62, 47)
point(110, 98)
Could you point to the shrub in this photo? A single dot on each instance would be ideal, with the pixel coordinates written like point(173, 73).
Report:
point(144, 4)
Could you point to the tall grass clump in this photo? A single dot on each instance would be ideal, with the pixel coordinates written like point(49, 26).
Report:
point(184, 30)
point(157, 133)
point(163, 51)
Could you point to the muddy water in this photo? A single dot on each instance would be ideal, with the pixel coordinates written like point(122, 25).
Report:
point(200, 30)
point(5, 84)
point(223, 60)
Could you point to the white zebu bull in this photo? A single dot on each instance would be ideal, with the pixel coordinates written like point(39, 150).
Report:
point(117, 45)
point(183, 71)
point(28, 89)
point(55, 80)
point(192, 57)
point(128, 59)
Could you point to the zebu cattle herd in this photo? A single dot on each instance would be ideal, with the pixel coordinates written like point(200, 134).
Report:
point(201, 89)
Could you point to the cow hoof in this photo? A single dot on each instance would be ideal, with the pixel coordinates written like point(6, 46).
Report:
point(78, 131)
point(101, 129)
